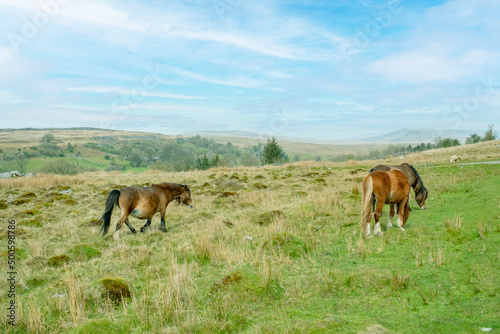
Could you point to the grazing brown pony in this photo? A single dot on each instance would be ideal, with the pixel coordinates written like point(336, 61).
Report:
point(381, 188)
point(143, 203)
point(413, 178)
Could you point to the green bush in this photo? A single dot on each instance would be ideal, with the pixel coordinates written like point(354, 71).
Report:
point(61, 167)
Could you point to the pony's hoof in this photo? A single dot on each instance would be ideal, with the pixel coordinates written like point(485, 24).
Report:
point(368, 235)
point(116, 236)
point(389, 225)
point(164, 230)
point(378, 233)
point(142, 230)
point(402, 229)
point(134, 231)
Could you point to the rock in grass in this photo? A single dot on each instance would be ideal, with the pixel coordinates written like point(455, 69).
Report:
point(84, 252)
point(116, 289)
point(59, 260)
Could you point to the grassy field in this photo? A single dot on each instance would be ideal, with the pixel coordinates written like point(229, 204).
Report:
point(265, 250)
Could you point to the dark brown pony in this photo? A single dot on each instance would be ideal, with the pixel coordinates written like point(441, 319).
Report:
point(413, 178)
point(381, 188)
point(143, 203)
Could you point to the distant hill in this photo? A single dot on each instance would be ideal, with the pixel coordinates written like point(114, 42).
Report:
point(420, 135)
point(209, 134)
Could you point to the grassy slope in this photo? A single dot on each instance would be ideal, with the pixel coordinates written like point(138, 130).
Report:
point(202, 276)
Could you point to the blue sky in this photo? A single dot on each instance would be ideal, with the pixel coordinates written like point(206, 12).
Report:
point(332, 70)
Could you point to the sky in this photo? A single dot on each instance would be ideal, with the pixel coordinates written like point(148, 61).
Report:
point(330, 70)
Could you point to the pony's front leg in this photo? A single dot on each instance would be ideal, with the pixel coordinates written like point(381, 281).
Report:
point(148, 222)
point(391, 215)
point(401, 210)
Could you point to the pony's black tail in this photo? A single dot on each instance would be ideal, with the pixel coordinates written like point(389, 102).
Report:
point(111, 201)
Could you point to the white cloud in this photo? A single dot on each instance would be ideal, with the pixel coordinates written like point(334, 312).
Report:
point(6, 54)
point(138, 91)
point(7, 97)
point(429, 64)
point(244, 82)
point(466, 12)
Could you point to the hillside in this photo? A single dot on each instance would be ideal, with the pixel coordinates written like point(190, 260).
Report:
point(28, 137)
point(91, 146)
point(274, 249)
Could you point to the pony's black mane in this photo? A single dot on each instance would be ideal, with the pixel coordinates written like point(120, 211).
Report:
point(419, 184)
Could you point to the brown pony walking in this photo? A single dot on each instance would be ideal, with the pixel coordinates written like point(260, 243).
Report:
point(143, 203)
point(381, 188)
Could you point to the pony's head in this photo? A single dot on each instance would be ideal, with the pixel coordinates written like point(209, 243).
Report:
point(420, 197)
point(185, 197)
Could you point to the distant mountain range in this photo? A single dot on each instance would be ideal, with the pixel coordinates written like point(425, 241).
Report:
point(420, 136)
point(404, 135)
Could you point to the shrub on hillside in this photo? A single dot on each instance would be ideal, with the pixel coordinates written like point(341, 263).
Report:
point(61, 167)
point(490, 134)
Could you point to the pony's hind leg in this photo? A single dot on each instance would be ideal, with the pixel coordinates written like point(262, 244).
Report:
point(130, 226)
point(391, 215)
point(119, 224)
point(377, 230)
point(148, 222)
point(163, 228)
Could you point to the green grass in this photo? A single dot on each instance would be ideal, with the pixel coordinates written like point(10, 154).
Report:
point(204, 275)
